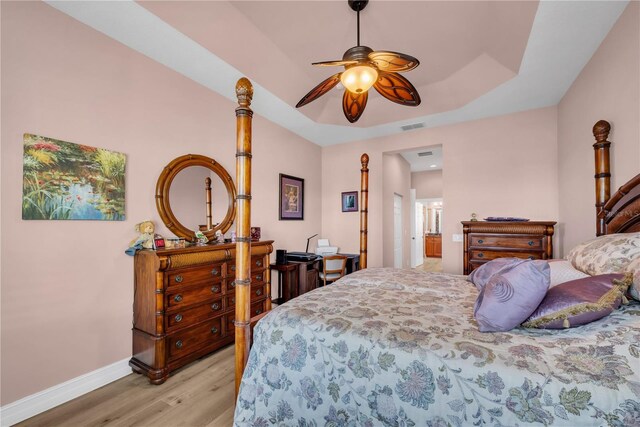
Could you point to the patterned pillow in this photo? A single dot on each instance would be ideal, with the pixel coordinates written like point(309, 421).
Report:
point(634, 269)
point(579, 302)
point(562, 271)
point(510, 297)
point(606, 254)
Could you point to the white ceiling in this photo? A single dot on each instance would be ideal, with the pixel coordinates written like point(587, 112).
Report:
point(432, 162)
point(563, 36)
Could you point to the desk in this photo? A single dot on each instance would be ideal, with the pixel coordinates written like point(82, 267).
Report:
point(296, 278)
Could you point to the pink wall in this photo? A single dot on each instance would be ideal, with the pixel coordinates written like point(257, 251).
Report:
point(428, 184)
point(397, 180)
point(67, 286)
point(608, 88)
point(503, 166)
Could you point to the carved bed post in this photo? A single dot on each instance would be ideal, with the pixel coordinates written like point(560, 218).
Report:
point(364, 208)
point(244, 92)
point(603, 173)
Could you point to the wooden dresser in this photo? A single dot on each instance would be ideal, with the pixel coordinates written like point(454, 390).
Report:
point(184, 301)
point(484, 241)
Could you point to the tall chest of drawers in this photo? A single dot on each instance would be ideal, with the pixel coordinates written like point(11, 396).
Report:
point(484, 241)
point(184, 303)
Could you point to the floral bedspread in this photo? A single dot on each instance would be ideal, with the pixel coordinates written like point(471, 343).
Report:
point(401, 348)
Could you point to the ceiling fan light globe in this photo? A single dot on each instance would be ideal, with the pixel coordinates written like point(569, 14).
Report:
point(359, 79)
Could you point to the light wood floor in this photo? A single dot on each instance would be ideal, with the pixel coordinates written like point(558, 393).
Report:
point(431, 264)
point(201, 394)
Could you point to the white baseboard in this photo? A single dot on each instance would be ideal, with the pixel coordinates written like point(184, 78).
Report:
point(44, 400)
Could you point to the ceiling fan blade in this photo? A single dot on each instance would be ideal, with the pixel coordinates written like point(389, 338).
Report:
point(333, 63)
point(393, 61)
point(396, 88)
point(353, 105)
point(319, 90)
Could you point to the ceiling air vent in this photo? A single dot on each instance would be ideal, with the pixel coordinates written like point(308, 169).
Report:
point(425, 153)
point(412, 126)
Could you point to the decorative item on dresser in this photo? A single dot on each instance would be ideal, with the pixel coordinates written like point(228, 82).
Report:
point(184, 303)
point(487, 240)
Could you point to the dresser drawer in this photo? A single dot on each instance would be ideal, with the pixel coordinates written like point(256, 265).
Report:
point(257, 263)
point(510, 242)
point(192, 339)
point(181, 297)
point(487, 255)
point(256, 309)
point(256, 279)
point(209, 273)
point(257, 293)
point(182, 318)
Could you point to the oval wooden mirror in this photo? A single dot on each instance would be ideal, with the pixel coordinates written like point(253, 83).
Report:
point(189, 175)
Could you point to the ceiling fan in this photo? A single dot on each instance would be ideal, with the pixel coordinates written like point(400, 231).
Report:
point(364, 68)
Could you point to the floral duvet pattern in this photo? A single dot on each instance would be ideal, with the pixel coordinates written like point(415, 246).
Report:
point(401, 348)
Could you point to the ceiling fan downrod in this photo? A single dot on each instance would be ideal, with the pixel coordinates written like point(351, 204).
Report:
point(357, 6)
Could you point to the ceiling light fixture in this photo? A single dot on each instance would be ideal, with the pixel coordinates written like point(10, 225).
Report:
point(433, 166)
point(365, 68)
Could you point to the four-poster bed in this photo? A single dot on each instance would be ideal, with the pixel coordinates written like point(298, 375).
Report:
point(401, 347)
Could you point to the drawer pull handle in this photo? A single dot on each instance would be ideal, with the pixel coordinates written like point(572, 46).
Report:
point(259, 292)
point(480, 241)
point(177, 298)
point(233, 268)
point(179, 278)
point(530, 257)
point(215, 306)
point(233, 284)
point(215, 272)
point(179, 344)
point(214, 330)
point(178, 318)
point(215, 289)
point(530, 242)
point(259, 277)
point(259, 263)
point(258, 311)
point(480, 255)
point(233, 300)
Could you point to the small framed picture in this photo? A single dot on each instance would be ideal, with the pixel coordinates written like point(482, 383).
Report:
point(291, 198)
point(350, 201)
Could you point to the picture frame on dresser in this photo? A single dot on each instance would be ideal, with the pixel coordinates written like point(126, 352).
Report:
point(291, 198)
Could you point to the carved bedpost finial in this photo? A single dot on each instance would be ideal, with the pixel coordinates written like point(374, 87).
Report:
point(244, 92)
point(364, 159)
point(601, 130)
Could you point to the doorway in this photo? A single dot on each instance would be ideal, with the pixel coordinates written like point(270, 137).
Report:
point(397, 230)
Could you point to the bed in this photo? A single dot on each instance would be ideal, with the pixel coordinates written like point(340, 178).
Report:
point(401, 348)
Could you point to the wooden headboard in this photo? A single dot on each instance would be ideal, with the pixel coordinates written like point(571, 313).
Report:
point(619, 213)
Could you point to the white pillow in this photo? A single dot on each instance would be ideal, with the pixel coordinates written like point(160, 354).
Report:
point(562, 271)
point(611, 253)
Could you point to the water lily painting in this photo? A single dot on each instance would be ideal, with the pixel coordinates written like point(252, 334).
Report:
point(63, 180)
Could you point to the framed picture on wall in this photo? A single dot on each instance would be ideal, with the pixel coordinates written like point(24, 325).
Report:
point(291, 197)
point(350, 201)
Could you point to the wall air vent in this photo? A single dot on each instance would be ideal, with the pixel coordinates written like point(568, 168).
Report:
point(425, 153)
point(412, 126)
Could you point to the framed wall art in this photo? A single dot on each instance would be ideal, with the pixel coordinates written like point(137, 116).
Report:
point(291, 198)
point(66, 181)
point(350, 201)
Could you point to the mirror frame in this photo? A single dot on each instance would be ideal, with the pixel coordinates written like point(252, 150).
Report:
point(164, 185)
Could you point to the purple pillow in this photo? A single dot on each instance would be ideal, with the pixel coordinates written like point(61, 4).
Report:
point(509, 297)
point(481, 275)
point(578, 302)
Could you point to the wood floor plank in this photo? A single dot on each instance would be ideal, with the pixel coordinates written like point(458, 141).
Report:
point(200, 394)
